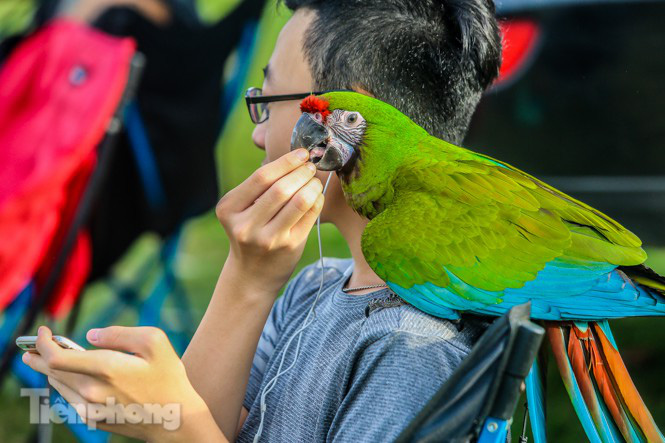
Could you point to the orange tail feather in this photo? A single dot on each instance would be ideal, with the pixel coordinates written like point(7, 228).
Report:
point(610, 397)
point(581, 370)
point(604, 383)
point(618, 374)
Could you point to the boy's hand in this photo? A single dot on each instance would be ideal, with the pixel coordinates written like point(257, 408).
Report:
point(268, 218)
point(144, 395)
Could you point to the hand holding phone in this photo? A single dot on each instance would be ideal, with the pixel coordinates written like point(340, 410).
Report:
point(29, 343)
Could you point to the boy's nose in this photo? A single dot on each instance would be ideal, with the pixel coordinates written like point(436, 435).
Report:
point(259, 136)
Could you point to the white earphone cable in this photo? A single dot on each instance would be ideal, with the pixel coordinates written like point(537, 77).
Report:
point(306, 322)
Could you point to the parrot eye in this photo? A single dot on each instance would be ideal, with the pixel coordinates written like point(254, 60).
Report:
point(351, 118)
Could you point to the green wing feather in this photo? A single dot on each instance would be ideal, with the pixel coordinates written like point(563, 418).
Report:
point(490, 224)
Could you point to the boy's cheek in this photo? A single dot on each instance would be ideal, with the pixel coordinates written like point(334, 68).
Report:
point(275, 146)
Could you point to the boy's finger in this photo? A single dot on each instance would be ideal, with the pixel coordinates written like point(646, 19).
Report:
point(244, 195)
point(297, 207)
point(72, 397)
point(144, 341)
point(52, 357)
point(71, 379)
point(279, 194)
point(305, 224)
point(45, 345)
point(68, 360)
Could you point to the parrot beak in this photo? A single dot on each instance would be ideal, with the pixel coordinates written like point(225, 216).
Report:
point(324, 151)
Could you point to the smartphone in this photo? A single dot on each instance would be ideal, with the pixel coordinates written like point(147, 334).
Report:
point(27, 343)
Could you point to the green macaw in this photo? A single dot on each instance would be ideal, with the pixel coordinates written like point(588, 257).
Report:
point(454, 231)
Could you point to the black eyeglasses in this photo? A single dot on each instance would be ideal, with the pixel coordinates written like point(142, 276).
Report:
point(256, 102)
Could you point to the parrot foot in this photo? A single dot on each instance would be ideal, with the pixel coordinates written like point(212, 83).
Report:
point(388, 302)
point(626, 279)
point(458, 324)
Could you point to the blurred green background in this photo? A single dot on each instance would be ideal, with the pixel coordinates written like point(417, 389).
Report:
point(204, 249)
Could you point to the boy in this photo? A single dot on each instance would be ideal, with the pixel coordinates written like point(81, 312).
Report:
point(369, 362)
point(356, 377)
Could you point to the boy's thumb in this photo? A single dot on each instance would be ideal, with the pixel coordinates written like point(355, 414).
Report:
point(137, 340)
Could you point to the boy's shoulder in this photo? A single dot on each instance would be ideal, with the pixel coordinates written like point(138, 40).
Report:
point(333, 270)
point(308, 280)
point(388, 318)
point(402, 324)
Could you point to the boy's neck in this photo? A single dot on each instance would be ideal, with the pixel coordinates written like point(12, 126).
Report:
point(351, 228)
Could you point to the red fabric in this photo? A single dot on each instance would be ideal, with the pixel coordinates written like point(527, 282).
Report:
point(50, 125)
point(76, 270)
point(78, 265)
point(519, 39)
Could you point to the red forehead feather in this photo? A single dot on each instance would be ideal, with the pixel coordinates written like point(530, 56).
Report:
point(313, 104)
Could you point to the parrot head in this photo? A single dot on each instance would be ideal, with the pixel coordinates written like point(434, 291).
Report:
point(364, 139)
point(332, 136)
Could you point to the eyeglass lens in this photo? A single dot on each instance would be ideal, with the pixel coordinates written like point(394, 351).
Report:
point(258, 111)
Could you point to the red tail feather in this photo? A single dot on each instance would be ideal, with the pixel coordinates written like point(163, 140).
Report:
point(598, 368)
point(581, 370)
point(608, 390)
point(592, 358)
point(627, 392)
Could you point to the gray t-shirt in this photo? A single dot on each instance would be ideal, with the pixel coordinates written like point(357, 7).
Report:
point(367, 363)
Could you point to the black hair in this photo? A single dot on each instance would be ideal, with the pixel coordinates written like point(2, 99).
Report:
point(431, 59)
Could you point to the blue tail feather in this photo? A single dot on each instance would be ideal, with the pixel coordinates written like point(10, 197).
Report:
point(535, 397)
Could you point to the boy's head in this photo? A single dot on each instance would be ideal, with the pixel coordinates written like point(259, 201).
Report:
point(430, 59)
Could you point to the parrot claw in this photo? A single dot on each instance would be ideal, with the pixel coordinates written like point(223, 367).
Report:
point(458, 324)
